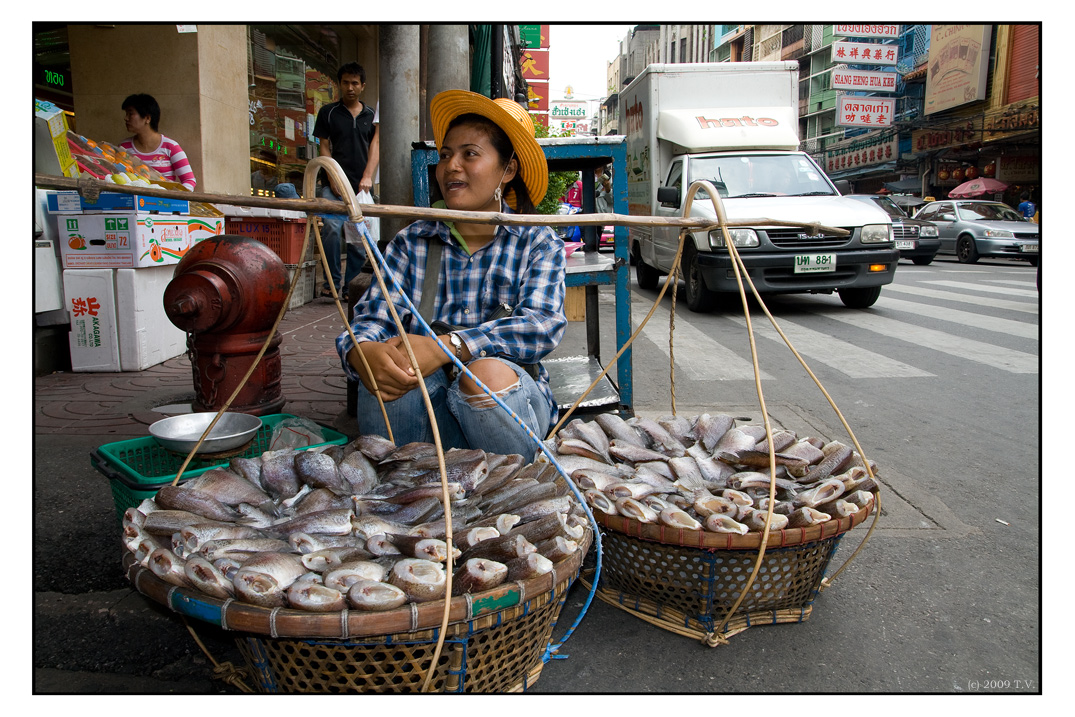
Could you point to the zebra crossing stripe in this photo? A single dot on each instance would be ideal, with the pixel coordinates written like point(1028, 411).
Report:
point(697, 354)
point(966, 318)
point(814, 345)
point(987, 289)
point(966, 349)
point(1021, 306)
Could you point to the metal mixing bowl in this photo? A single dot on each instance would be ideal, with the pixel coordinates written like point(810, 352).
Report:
point(181, 433)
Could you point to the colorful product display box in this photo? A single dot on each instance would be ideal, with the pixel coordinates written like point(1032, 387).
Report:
point(64, 202)
point(51, 152)
point(130, 239)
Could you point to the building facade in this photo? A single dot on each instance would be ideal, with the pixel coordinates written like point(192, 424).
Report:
point(963, 107)
point(241, 99)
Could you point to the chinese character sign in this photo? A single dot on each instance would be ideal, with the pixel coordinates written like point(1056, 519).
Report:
point(534, 64)
point(537, 96)
point(865, 111)
point(874, 149)
point(863, 53)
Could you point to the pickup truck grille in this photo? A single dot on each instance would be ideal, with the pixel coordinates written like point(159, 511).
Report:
point(792, 238)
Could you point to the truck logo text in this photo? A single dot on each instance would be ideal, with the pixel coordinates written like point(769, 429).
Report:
point(634, 117)
point(706, 123)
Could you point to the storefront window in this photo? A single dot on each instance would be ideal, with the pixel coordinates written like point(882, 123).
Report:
point(286, 93)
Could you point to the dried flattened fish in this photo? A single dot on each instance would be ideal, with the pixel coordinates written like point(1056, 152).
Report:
point(719, 523)
point(676, 518)
point(477, 575)
point(421, 580)
point(375, 596)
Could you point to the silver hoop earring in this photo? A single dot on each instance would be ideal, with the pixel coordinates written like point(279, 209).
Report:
point(497, 194)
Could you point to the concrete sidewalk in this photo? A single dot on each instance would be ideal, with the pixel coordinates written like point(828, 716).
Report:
point(92, 632)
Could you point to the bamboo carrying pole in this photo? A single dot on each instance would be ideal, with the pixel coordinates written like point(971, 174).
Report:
point(87, 185)
point(91, 188)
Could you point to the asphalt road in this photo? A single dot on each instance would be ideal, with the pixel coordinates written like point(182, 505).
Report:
point(940, 383)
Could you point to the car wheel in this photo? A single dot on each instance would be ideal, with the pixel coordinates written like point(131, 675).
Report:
point(922, 260)
point(966, 250)
point(699, 298)
point(860, 298)
point(634, 253)
point(646, 275)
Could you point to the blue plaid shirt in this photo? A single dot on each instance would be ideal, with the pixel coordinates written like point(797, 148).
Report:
point(522, 267)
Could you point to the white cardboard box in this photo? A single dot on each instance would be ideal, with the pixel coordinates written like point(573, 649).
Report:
point(147, 336)
point(90, 297)
point(118, 321)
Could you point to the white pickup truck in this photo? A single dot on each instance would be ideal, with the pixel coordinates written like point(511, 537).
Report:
point(736, 125)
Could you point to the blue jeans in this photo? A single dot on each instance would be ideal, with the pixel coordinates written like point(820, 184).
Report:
point(460, 424)
point(331, 236)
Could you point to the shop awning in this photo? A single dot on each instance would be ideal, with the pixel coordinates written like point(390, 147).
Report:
point(904, 186)
point(863, 172)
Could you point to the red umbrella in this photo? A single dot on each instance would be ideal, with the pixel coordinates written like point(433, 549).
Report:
point(977, 187)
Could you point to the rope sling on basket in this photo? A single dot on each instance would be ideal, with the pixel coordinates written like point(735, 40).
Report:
point(513, 219)
point(356, 217)
point(642, 553)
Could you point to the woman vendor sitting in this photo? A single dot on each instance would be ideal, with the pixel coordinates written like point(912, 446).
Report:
point(500, 289)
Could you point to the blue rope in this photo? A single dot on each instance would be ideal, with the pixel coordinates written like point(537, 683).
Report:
point(551, 649)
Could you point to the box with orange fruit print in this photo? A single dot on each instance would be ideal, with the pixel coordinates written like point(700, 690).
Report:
point(130, 239)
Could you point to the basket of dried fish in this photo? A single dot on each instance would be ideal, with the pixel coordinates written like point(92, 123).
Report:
point(685, 504)
point(330, 564)
point(138, 467)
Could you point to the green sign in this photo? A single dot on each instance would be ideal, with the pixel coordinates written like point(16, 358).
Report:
point(530, 35)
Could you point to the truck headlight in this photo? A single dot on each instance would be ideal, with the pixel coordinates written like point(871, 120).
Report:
point(999, 233)
point(742, 238)
point(876, 233)
point(930, 231)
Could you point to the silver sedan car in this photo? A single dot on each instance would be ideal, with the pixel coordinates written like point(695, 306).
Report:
point(972, 228)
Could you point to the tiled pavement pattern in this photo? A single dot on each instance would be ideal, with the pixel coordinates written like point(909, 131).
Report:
point(121, 404)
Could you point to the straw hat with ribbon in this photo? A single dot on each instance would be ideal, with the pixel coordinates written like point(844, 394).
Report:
point(508, 116)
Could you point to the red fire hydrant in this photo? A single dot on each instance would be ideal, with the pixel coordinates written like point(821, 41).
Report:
point(226, 294)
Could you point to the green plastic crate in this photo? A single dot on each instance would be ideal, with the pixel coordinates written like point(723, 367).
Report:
point(139, 467)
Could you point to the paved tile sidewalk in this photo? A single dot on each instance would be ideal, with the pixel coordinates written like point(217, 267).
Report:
point(121, 404)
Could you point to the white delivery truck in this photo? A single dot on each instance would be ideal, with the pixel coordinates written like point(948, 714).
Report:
point(736, 124)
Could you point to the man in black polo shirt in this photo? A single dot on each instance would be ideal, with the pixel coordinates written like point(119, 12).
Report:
point(348, 132)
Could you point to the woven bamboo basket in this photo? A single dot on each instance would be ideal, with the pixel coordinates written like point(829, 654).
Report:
point(686, 581)
point(495, 640)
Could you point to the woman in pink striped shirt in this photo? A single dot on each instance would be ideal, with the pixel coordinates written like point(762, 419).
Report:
point(141, 114)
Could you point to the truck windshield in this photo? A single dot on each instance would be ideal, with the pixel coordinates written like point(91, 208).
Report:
point(775, 175)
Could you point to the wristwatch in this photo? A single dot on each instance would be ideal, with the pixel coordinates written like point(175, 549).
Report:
point(457, 343)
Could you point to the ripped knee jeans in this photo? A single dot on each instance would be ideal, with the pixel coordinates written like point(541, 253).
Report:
point(474, 422)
